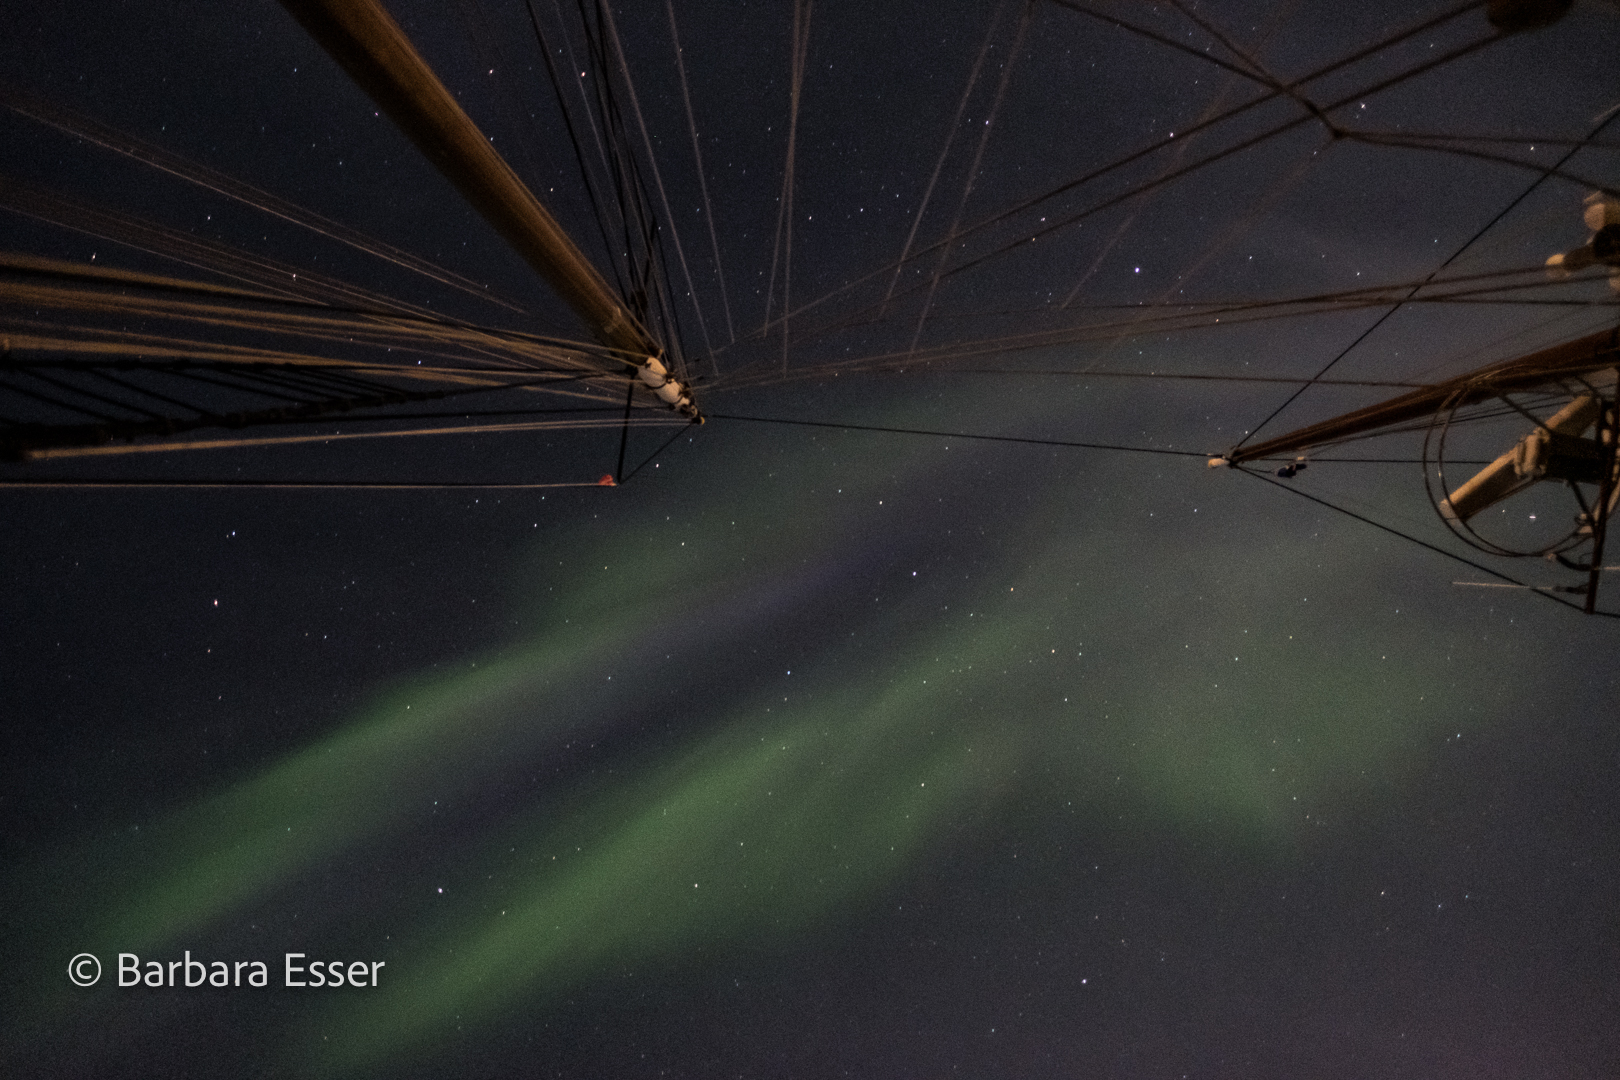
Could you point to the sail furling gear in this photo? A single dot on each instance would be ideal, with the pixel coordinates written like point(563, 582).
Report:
point(1556, 450)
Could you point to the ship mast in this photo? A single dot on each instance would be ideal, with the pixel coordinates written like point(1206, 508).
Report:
point(1556, 450)
point(368, 44)
point(1583, 356)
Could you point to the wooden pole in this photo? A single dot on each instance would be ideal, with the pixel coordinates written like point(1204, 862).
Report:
point(365, 40)
point(1569, 360)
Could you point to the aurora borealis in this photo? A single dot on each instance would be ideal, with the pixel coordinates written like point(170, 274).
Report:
point(984, 723)
point(811, 752)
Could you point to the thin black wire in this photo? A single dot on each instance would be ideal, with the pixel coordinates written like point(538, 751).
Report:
point(351, 419)
point(21, 369)
point(703, 184)
point(309, 377)
point(624, 429)
point(63, 405)
point(1118, 163)
point(135, 389)
point(646, 261)
point(959, 435)
point(1175, 376)
point(1210, 159)
point(1417, 138)
point(656, 452)
point(1421, 543)
point(1523, 195)
point(59, 435)
point(609, 132)
point(329, 382)
point(296, 393)
point(631, 192)
point(388, 316)
point(620, 166)
point(1265, 77)
point(669, 311)
point(586, 175)
point(1169, 42)
point(1483, 155)
point(669, 316)
point(340, 485)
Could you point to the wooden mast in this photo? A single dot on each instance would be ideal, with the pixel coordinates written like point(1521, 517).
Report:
point(1536, 456)
point(366, 41)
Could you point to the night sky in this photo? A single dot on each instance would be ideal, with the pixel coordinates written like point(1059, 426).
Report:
point(825, 750)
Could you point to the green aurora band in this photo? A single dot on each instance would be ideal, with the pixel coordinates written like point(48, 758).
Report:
point(1021, 697)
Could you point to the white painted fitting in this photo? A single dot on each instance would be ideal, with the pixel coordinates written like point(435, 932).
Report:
point(669, 391)
point(654, 373)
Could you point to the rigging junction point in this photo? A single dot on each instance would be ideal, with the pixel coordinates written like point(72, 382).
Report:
point(1585, 371)
point(1574, 445)
point(368, 44)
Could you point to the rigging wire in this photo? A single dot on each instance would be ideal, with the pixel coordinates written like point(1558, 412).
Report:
point(652, 163)
point(650, 236)
point(643, 245)
point(468, 349)
point(959, 435)
point(1455, 255)
point(784, 209)
point(277, 280)
point(1194, 314)
point(1372, 139)
point(1541, 591)
point(639, 251)
point(950, 140)
point(314, 485)
point(120, 449)
point(610, 144)
point(1031, 203)
point(1507, 140)
point(973, 169)
point(1212, 109)
point(196, 252)
point(654, 455)
point(587, 175)
point(108, 138)
point(1210, 159)
point(1199, 317)
point(1257, 69)
point(703, 183)
point(1161, 39)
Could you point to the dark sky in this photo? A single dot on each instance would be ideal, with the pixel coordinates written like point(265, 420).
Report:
point(818, 751)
